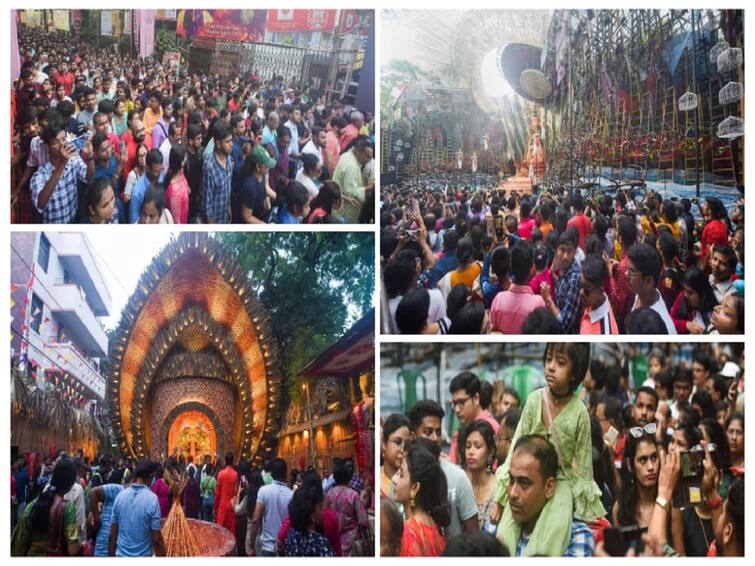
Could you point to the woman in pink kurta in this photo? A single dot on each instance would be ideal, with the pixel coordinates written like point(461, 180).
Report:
point(161, 489)
point(225, 490)
point(177, 192)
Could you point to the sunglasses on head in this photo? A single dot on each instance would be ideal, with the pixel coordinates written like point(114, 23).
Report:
point(637, 431)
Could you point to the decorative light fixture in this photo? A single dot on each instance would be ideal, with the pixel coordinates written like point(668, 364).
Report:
point(729, 59)
point(731, 92)
point(688, 101)
point(731, 128)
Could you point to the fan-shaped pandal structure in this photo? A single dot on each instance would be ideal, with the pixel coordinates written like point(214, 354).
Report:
point(194, 338)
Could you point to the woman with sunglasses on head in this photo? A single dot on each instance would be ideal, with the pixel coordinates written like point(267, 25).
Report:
point(639, 479)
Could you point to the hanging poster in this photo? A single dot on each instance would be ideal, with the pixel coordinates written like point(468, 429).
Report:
point(106, 23)
point(231, 25)
point(60, 20)
point(301, 20)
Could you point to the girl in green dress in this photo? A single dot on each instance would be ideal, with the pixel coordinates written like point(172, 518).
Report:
point(556, 413)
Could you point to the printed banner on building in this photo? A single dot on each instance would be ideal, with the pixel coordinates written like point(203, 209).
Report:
point(172, 58)
point(232, 25)
point(145, 20)
point(166, 15)
point(32, 18)
point(60, 20)
point(301, 20)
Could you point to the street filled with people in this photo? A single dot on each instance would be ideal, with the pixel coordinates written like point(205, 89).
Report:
point(592, 464)
point(628, 260)
point(69, 505)
point(106, 138)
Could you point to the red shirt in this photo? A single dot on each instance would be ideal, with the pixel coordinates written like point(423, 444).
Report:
point(583, 226)
point(66, 79)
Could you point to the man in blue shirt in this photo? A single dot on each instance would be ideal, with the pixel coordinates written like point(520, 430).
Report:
point(429, 279)
point(153, 174)
point(217, 175)
point(135, 527)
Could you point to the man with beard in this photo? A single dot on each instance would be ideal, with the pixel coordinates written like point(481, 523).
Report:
point(316, 145)
point(217, 173)
point(193, 168)
point(643, 411)
point(134, 136)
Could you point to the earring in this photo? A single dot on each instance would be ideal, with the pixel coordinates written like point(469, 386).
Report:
point(412, 503)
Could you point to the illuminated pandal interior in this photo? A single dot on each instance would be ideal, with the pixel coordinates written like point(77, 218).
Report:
point(193, 366)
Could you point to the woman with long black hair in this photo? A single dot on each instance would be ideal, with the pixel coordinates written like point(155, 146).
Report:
point(693, 308)
point(48, 525)
point(422, 489)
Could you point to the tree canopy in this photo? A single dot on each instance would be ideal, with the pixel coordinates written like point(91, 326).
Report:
point(315, 285)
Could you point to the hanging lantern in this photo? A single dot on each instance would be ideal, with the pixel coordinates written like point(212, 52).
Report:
point(716, 50)
point(688, 101)
point(731, 92)
point(731, 128)
point(730, 59)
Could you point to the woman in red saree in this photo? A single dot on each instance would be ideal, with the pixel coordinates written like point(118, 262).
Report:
point(421, 488)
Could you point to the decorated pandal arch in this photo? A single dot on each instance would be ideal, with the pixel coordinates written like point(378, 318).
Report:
point(193, 365)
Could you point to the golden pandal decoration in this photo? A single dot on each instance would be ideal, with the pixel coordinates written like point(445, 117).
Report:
point(177, 535)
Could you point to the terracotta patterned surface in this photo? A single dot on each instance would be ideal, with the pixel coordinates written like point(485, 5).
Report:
point(214, 394)
point(194, 272)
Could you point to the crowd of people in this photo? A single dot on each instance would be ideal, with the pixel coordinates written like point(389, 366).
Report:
point(69, 506)
point(588, 465)
point(584, 262)
point(105, 138)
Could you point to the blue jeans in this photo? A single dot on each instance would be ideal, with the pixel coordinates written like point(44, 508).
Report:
point(207, 508)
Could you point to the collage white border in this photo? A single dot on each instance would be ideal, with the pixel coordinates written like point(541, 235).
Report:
point(377, 5)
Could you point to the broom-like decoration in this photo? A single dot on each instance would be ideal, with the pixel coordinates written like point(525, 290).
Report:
point(177, 535)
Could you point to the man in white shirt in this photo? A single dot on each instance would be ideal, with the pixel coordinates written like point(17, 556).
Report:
point(723, 264)
point(316, 145)
point(643, 274)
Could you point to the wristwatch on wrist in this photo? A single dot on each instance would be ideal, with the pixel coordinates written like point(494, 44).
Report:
point(662, 501)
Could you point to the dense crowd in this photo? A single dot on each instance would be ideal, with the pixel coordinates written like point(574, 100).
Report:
point(589, 465)
point(620, 261)
point(106, 138)
point(69, 506)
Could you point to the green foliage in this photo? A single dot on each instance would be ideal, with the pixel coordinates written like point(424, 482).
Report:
point(165, 40)
point(90, 26)
point(314, 285)
point(399, 70)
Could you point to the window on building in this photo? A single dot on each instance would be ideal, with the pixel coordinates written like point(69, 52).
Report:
point(43, 257)
point(62, 335)
point(36, 313)
point(67, 279)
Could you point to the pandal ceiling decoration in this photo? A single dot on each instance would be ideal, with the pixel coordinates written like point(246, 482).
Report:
point(194, 294)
